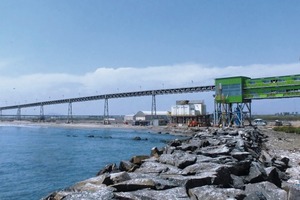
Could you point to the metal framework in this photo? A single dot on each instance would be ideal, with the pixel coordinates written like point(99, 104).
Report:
point(234, 95)
point(42, 116)
point(232, 99)
point(19, 113)
point(69, 101)
point(106, 112)
point(70, 112)
point(153, 108)
point(233, 113)
point(116, 95)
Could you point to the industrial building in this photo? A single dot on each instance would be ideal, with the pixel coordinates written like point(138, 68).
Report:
point(145, 118)
point(190, 112)
point(233, 95)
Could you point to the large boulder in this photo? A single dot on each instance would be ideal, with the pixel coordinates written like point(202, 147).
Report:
point(256, 174)
point(128, 166)
point(135, 184)
point(178, 159)
point(108, 169)
point(178, 193)
point(91, 183)
point(273, 176)
point(210, 192)
point(266, 190)
point(137, 160)
point(102, 193)
point(157, 168)
point(214, 151)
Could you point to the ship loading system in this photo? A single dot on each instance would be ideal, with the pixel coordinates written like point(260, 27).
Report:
point(232, 99)
point(233, 96)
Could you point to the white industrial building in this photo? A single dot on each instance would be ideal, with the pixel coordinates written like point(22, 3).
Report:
point(128, 119)
point(190, 112)
point(188, 108)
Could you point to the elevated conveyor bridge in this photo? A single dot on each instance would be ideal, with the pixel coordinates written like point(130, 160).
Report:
point(106, 97)
point(233, 97)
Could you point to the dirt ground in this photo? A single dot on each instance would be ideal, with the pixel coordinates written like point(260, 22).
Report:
point(282, 144)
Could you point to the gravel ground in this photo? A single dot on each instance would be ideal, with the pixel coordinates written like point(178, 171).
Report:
point(282, 144)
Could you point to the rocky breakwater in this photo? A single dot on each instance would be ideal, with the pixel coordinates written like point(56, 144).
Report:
point(213, 164)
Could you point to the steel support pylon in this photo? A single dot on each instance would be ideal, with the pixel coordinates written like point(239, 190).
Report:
point(19, 113)
point(153, 108)
point(42, 116)
point(106, 112)
point(229, 114)
point(70, 114)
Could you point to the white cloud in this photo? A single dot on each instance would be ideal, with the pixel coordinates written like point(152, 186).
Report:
point(29, 88)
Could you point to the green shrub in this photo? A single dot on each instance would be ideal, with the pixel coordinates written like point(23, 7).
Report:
point(287, 129)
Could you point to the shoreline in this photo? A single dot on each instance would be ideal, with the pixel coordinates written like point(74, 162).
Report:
point(176, 131)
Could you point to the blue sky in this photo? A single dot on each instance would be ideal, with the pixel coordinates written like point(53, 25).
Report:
point(54, 49)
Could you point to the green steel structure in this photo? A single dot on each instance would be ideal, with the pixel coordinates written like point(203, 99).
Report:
point(233, 95)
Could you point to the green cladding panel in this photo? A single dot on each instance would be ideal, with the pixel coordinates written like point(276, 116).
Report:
point(230, 90)
point(243, 89)
point(272, 87)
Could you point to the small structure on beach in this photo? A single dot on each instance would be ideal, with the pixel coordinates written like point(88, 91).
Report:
point(144, 118)
point(190, 112)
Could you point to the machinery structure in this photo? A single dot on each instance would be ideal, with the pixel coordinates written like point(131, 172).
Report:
point(233, 95)
point(232, 98)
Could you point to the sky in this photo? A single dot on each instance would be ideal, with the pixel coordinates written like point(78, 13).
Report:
point(55, 49)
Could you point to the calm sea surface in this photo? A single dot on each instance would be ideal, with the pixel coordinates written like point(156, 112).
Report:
point(35, 161)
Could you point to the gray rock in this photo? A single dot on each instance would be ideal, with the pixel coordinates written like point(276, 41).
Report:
point(256, 196)
point(267, 189)
point(256, 174)
point(139, 159)
point(241, 155)
point(241, 168)
point(237, 182)
point(155, 152)
point(214, 151)
point(178, 159)
point(280, 165)
point(175, 143)
point(233, 133)
point(119, 177)
point(91, 184)
point(137, 138)
point(155, 168)
point(135, 184)
point(178, 193)
point(127, 166)
point(169, 150)
point(240, 144)
point(102, 193)
point(214, 193)
point(207, 178)
point(198, 168)
point(108, 169)
point(292, 189)
point(273, 176)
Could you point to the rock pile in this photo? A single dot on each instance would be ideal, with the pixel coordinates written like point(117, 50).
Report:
point(213, 164)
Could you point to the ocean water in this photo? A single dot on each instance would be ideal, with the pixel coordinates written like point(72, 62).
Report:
point(35, 161)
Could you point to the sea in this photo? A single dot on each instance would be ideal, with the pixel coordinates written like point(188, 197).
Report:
point(38, 160)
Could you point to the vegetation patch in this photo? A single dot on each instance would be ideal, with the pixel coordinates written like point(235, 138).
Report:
point(287, 129)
